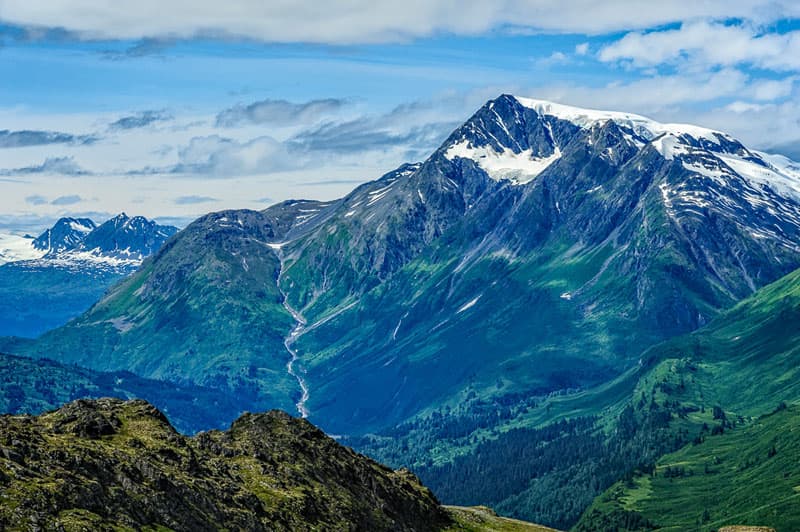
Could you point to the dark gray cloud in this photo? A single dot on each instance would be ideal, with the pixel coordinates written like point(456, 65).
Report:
point(331, 182)
point(51, 165)
point(790, 150)
point(191, 200)
point(408, 126)
point(23, 138)
point(36, 200)
point(71, 199)
point(278, 112)
point(370, 134)
point(144, 48)
point(142, 119)
point(38, 33)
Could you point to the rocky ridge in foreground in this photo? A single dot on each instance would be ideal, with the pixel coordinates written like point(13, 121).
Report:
point(112, 464)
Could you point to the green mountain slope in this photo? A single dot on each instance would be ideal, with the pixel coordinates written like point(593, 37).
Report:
point(722, 377)
point(514, 458)
point(33, 386)
point(480, 518)
point(746, 476)
point(205, 309)
point(109, 464)
point(442, 285)
point(450, 319)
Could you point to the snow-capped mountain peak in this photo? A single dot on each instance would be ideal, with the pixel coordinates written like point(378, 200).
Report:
point(641, 125)
point(517, 139)
point(119, 243)
point(65, 234)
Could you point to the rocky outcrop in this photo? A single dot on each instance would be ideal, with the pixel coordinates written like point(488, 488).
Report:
point(108, 463)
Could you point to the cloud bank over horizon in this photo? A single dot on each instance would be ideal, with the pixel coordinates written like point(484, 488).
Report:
point(369, 21)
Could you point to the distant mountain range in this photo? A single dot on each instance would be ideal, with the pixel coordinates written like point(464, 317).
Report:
point(49, 279)
point(494, 316)
point(119, 242)
point(66, 235)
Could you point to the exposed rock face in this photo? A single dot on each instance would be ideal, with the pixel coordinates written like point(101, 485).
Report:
point(105, 463)
point(123, 236)
point(66, 234)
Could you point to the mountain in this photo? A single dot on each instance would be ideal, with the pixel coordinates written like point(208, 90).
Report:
point(492, 302)
point(56, 276)
point(65, 235)
point(685, 391)
point(111, 464)
point(34, 386)
point(120, 242)
point(614, 245)
point(123, 236)
point(732, 380)
point(742, 476)
point(537, 239)
point(208, 299)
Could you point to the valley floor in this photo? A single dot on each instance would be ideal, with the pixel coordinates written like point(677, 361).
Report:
point(483, 519)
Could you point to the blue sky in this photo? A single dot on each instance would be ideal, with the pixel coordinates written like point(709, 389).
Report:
point(171, 112)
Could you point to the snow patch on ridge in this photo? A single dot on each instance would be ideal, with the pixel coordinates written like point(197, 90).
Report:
point(75, 226)
point(677, 141)
point(519, 168)
point(776, 172)
point(469, 304)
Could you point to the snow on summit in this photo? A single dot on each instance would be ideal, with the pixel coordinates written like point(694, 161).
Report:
point(641, 125)
point(706, 152)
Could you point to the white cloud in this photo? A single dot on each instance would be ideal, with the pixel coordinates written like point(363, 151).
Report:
point(556, 58)
point(771, 89)
point(653, 94)
point(704, 44)
point(762, 126)
point(365, 21)
point(225, 157)
point(740, 106)
point(582, 49)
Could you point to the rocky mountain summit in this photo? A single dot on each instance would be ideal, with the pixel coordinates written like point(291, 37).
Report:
point(121, 239)
point(108, 464)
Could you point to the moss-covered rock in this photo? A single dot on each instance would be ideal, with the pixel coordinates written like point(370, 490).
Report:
point(109, 464)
